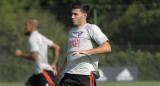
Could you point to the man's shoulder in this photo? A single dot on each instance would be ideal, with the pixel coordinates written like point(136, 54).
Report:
point(91, 26)
point(35, 36)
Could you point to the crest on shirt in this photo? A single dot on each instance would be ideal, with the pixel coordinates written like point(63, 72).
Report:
point(80, 33)
point(43, 40)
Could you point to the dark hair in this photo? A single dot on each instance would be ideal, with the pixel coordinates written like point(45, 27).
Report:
point(84, 7)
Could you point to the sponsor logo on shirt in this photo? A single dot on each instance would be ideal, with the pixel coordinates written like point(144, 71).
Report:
point(74, 43)
point(43, 40)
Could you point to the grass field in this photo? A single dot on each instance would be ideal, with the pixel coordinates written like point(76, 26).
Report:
point(149, 83)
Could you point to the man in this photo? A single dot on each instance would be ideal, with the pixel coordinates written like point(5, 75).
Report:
point(85, 42)
point(44, 74)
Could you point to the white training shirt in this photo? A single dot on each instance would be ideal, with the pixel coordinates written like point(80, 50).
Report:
point(86, 37)
point(39, 43)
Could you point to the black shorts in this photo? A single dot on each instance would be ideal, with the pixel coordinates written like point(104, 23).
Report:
point(42, 79)
point(77, 80)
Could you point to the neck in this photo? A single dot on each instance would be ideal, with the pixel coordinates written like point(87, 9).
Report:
point(81, 24)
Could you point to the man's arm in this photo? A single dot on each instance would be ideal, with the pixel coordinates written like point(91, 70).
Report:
point(62, 67)
point(56, 50)
point(104, 48)
point(33, 56)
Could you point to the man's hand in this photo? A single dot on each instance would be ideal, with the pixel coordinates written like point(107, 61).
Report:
point(18, 52)
point(54, 69)
point(80, 52)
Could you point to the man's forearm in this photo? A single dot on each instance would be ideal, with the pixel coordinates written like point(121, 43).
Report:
point(56, 55)
point(104, 48)
point(55, 59)
point(29, 56)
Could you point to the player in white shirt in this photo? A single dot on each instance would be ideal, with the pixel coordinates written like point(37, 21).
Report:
point(85, 42)
point(44, 73)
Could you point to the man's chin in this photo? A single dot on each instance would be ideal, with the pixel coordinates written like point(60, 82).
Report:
point(74, 24)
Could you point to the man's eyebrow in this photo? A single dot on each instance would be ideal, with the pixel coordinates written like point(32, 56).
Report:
point(74, 13)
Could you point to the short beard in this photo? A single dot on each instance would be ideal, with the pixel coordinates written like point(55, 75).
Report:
point(27, 33)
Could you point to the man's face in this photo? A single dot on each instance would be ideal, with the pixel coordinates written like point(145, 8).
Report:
point(27, 28)
point(78, 17)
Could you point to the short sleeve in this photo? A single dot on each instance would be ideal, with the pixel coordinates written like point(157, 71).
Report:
point(97, 35)
point(49, 42)
point(33, 44)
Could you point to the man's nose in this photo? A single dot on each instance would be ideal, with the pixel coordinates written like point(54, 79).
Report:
point(72, 16)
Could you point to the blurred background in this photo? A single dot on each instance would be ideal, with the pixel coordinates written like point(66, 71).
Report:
point(131, 25)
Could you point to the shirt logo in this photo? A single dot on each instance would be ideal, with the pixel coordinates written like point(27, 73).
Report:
point(74, 43)
point(43, 40)
point(80, 33)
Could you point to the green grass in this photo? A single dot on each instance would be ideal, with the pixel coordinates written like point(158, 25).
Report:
point(149, 83)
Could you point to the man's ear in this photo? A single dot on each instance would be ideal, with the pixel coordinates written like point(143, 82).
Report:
point(85, 15)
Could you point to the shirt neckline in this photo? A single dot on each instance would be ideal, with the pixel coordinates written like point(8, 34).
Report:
point(81, 27)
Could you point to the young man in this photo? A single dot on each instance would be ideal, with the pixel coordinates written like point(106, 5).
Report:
point(44, 74)
point(85, 42)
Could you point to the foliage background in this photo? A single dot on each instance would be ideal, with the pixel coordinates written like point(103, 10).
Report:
point(131, 25)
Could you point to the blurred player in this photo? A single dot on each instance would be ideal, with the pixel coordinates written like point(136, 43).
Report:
point(44, 74)
point(85, 42)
